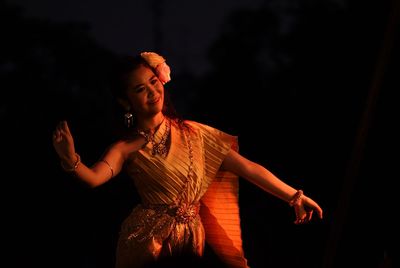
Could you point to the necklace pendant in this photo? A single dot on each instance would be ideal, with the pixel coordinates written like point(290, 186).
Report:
point(158, 148)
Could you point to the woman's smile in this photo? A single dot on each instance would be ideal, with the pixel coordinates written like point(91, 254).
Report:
point(154, 101)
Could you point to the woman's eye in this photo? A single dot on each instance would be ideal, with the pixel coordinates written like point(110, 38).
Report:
point(139, 89)
point(154, 81)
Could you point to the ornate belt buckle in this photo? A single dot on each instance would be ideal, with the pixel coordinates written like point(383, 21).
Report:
point(186, 212)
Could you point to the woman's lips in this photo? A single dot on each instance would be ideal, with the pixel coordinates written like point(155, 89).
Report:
point(154, 101)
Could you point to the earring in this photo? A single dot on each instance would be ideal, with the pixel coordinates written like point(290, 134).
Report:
point(128, 119)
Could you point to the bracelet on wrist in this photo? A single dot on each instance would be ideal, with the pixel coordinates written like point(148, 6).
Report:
point(74, 167)
point(295, 198)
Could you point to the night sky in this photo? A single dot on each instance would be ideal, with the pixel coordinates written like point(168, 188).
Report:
point(188, 27)
point(306, 85)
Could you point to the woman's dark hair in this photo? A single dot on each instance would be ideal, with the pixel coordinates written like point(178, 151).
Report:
point(119, 82)
point(120, 72)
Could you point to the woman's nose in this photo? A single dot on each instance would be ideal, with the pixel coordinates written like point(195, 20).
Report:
point(151, 90)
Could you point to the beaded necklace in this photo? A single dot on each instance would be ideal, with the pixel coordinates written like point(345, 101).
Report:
point(158, 147)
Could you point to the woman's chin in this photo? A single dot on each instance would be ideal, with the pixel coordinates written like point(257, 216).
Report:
point(155, 110)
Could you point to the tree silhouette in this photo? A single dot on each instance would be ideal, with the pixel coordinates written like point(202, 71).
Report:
point(291, 80)
point(49, 72)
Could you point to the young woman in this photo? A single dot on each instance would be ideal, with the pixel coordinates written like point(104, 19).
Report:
point(185, 173)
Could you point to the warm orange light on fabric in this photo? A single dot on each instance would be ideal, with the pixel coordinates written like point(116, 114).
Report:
point(221, 218)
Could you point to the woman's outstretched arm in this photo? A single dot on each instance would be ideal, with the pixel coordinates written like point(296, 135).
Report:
point(103, 170)
point(263, 178)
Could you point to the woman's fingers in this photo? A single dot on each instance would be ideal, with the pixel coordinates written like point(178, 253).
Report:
point(314, 206)
point(61, 132)
point(309, 215)
point(300, 215)
point(304, 212)
point(301, 221)
point(320, 213)
point(66, 128)
point(57, 136)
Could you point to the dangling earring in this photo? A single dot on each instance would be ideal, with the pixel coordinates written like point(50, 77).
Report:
point(128, 119)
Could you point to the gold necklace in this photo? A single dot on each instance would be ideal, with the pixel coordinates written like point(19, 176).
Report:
point(159, 148)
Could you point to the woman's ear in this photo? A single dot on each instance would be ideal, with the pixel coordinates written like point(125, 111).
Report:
point(124, 103)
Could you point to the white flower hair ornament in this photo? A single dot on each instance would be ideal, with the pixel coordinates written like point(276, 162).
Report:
point(159, 65)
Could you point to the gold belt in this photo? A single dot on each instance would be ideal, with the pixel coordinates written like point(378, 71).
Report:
point(182, 214)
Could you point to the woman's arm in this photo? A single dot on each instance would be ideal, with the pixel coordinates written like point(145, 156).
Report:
point(99, 173)
point(263, 178)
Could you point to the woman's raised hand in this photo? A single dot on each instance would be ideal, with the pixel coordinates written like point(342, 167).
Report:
point(63, 143)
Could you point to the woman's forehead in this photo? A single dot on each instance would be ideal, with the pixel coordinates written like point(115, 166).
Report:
point(141, 75)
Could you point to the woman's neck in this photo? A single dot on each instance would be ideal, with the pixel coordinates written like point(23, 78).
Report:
point(151, 124)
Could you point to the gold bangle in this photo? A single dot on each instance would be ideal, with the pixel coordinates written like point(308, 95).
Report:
point(108, 164)
point(74, 167)
point(296, 197)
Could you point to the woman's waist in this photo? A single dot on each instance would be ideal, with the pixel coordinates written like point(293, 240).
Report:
point(183, 213)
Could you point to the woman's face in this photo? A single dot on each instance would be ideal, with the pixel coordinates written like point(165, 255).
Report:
point(145, 92)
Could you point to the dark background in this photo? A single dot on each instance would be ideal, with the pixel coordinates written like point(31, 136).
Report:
point(307, 86)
